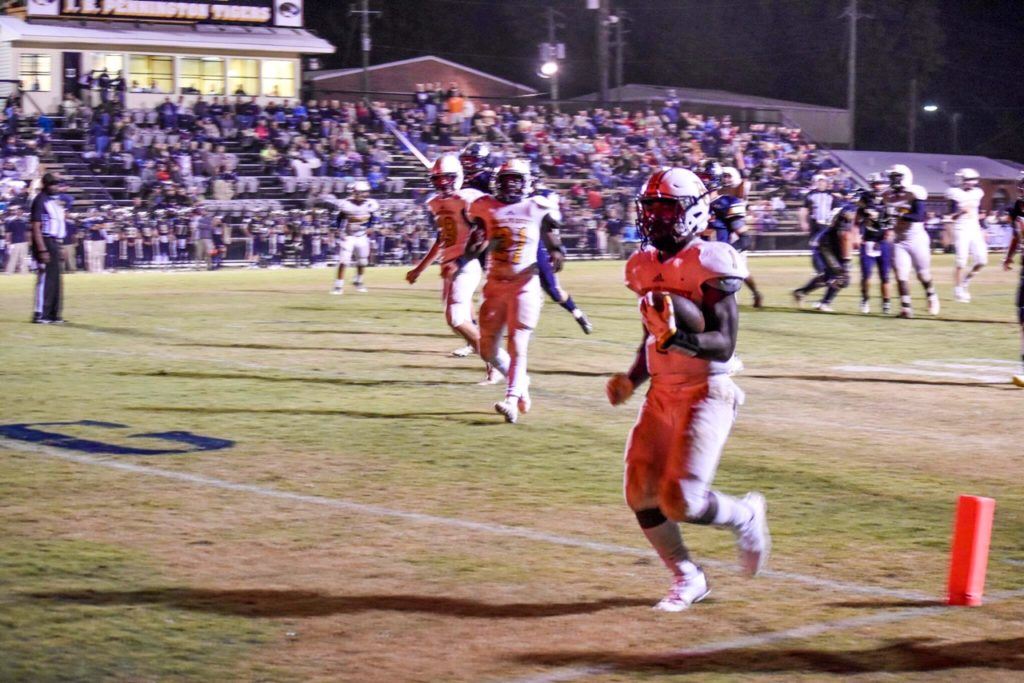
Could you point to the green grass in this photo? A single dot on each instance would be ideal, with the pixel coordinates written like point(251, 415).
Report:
point(112, 575)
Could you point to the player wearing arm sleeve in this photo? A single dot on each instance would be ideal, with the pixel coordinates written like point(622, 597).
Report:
point(673, 450)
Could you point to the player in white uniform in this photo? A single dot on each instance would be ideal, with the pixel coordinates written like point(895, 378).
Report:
point(449, 207)
point(904, 205)
point(511, 225)
point(673, 450)
point(355, 217)
point(964, 205)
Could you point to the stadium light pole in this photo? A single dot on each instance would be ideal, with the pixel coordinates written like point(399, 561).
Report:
point(365, 42)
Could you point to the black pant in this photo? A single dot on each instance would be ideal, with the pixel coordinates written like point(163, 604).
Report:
point(48, 283)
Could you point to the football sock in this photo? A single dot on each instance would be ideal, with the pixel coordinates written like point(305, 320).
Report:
point(501, 361)
point(830, 295)
point(338, 284)
point(929, 289)
point(668, 542)
point(732, 512)
point(568, 305)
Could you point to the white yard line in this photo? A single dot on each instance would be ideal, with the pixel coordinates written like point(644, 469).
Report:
point(904, 370)
point(762, 639)
point(961, 366)
point(451, 522)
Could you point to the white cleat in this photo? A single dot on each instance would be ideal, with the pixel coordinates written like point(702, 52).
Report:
point(933, 304)
point(753, 542)
point(1018, 380)
point(508, 408)
point(337, 291)
point(463, 351)
point(362, 289)
point(962, 295)
point(690, 587)
point(823, 307)
point(524, 401)
point(865, 306)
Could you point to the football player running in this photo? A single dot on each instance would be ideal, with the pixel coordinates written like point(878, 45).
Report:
point(550, 264)
point(833, 245)
point(969, 243)
point(904, 204)
point(510, 226)
point(355, 216)
point(673, 450)
point(449, 207)
point(876, 243)
point(1017, 216)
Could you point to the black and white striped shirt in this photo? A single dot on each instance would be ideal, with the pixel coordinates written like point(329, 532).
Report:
point(819, 203)
point(47, 210)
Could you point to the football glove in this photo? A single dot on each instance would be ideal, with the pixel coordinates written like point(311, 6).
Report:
point(619, 388)
point(659, 318)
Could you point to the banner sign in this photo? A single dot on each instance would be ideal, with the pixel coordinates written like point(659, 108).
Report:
point(287, 13)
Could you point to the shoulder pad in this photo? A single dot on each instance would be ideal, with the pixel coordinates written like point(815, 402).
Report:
point(953, 193)
point(548, 201)
point(372, 205)
point(918, 192)
point(721, 260)
point(632, 271)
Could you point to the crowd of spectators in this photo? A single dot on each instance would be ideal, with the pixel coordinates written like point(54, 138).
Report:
point(231, 154)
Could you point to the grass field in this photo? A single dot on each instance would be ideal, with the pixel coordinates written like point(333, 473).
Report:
point(374, 520)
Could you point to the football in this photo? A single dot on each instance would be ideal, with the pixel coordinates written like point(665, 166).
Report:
point(689, 317)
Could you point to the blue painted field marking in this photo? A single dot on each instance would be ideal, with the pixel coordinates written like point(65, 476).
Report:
point(28, 431)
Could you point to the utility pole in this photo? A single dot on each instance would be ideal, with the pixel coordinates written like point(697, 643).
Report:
point(912, 115)
point(620, 47)
point(602, 48)
point(954, 122)
point(365, 41)
point(553, 42)
point(851, 73)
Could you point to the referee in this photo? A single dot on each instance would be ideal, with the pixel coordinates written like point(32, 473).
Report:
point(48, 232)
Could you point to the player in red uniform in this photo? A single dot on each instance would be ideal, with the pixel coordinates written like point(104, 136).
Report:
point(673, 450)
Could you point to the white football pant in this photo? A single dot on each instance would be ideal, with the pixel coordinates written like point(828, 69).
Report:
point(513, 304)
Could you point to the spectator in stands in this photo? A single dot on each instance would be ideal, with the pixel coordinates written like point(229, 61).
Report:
point(16, 228)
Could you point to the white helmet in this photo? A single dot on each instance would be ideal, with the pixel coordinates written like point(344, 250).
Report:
point(900, 176)
point(692, 207)
point(968, 176)
point(731, 177)
point(446, 174)
point(511, 169)
point(360, 186)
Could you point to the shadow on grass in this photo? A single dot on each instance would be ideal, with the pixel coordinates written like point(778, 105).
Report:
point(873, 380)
point(333, 381)
point(449, 416)
point(900, 656)
point(281, 347)
point(269, 604)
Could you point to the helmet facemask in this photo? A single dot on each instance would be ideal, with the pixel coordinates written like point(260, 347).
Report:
point(661, 222)
point(444, 183)
point(510, 187)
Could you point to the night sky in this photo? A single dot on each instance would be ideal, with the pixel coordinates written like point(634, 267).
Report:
point(965, 55)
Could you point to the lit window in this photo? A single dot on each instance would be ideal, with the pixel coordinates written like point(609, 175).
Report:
point(111, 62)
point(202, 76)
point(35, 73)
point(278, 78)
point(151, 73)
point(243, 77)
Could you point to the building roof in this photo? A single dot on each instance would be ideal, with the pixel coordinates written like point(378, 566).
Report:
point(334, 73)
point(636, 92)
point(198, 36)
point(933, 171)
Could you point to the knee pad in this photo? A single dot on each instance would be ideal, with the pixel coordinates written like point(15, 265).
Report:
point(700, 507)
point(924, 275)
point(363, 262)
point(457, 315)
point(650, 518)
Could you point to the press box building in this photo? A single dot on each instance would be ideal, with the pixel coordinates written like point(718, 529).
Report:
point(182, 48)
